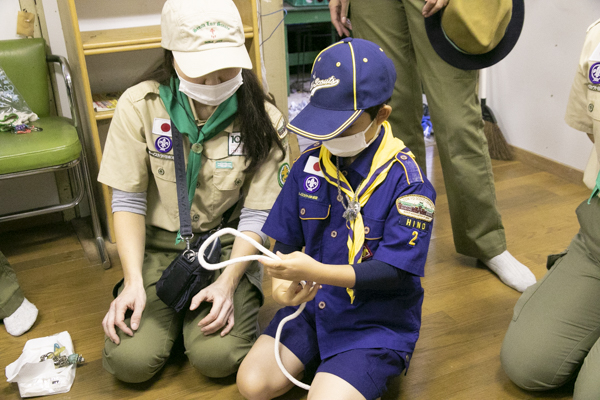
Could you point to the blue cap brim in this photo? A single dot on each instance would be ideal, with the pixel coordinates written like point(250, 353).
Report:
point(321, 124)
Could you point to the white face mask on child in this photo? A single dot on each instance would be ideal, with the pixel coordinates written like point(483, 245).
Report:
point(349, 146)
point(211, 95)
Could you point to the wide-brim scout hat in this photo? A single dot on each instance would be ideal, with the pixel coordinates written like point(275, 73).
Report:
point(475, 34)
point(204, 35)
point(347, 78)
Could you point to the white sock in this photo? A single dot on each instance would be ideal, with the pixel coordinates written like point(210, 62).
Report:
point(510, 271)
point(22, 319)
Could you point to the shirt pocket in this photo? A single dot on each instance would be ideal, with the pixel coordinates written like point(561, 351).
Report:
point(164, 176)
point(593, 107)
point(314, 217)
point(227, 185)
point(373, 228)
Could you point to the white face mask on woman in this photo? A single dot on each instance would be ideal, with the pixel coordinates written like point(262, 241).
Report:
point(349, 146)
point(211, 95)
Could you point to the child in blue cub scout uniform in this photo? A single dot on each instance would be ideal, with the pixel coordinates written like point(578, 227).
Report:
point(363, 210)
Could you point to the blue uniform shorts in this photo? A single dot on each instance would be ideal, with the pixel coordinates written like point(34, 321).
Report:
point(367, 370)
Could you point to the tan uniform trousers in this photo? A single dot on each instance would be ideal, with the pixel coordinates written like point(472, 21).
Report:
point(556, 323)
point(399, 28)
point(11, 295)
point(139, 358)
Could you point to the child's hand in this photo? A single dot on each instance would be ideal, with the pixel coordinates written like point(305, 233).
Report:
point(295, 293)
point(295, 266)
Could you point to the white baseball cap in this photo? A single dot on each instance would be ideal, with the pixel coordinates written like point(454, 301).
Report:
point(204, 35)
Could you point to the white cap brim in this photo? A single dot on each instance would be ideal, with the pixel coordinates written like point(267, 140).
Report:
point(198, 63)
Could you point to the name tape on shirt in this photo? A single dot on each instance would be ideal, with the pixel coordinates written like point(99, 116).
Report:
point(236, 147)
point(313, 167)
point(162, 127)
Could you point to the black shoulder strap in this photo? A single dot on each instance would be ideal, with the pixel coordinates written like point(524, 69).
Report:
point(185, 221)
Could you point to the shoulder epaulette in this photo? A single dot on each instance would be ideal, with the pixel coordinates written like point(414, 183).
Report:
point(411, 168)
point(592, 25)
point(310, 148)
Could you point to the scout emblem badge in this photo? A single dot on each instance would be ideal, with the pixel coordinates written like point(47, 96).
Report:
point(257, 257)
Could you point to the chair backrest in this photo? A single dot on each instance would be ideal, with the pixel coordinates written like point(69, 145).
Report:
point(24, 61)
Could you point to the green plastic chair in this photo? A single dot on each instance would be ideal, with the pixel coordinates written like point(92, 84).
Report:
point(59, 145)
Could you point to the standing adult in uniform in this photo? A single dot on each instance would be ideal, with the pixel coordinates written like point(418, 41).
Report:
point(555, 327)
point(235, 148)
point(399, 27)
point(17, 313)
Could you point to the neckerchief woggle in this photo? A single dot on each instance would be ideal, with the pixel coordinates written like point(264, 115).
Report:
point(382, 162)
point(180, 112)
point(596, 189)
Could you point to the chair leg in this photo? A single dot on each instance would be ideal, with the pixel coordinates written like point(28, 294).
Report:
point(105, 260)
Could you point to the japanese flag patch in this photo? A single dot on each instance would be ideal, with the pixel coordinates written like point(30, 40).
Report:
point(313, 166)
point(162, 127)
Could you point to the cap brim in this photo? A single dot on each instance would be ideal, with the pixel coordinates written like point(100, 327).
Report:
point(454, 57)
point(320, 124)
point(198, 63)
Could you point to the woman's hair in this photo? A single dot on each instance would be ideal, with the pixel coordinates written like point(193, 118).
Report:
point(256, 129)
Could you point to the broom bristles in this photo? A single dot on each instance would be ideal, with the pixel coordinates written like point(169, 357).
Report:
point(498, 146)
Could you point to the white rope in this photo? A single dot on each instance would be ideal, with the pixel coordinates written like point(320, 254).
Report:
point(257, 257)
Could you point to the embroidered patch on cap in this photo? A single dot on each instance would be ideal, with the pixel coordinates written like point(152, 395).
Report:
point(163, 144)
point(313, 166)
point(416, 206)
point(162, 127)
point(284, 171)
point(312, 184)
point(595, 73)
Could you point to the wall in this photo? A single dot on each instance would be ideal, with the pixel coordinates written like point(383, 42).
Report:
point(529, 89)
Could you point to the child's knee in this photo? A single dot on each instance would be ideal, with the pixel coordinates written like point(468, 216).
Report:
point(220, 357)
point(129, 363)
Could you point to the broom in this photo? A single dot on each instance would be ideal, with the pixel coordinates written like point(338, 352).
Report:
point(498, 147)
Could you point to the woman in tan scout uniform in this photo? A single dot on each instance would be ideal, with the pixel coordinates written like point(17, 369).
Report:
point(241, 159)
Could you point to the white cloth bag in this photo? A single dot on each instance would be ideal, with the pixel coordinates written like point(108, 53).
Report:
point(37, 378)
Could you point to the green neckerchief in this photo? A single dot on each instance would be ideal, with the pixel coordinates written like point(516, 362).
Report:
point(178, 107)
point(596, 189)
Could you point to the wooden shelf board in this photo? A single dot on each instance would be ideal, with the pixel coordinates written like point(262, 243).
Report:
point(127, 39)
point(104, 115)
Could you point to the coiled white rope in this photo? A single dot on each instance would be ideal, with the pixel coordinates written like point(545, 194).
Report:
point(257, 257)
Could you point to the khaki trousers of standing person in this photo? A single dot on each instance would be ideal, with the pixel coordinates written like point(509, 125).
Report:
point(556, 322)
point(140, 357)
point(11, 295)
point(399, 28)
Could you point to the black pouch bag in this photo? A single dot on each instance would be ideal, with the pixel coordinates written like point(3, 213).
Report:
point(185, 277)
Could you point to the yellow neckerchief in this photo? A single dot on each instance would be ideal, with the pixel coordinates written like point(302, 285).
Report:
point(380, 165)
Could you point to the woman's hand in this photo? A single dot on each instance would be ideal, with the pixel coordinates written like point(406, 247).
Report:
point(133, 297)
point(220, 293)
point(295, 266)
point(295, 293)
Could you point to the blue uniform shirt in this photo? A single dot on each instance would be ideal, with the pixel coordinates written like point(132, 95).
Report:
point(397, 218)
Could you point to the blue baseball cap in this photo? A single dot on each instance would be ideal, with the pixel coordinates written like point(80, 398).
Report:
point(347, 78)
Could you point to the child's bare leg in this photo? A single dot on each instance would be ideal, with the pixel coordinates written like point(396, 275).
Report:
point(259, 376)
point(328, 386)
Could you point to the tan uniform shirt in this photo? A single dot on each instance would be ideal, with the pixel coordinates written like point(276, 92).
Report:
point(132, 162)
point(583, 110)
